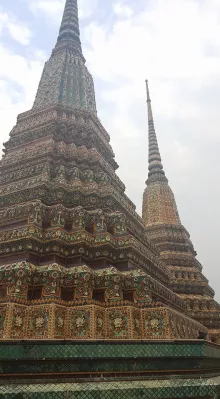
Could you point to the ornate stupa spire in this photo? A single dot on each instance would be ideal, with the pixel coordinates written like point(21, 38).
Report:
point(155, 167)
point(69, 32)
point(159, 204)
point(65, 79)
point(164, 229)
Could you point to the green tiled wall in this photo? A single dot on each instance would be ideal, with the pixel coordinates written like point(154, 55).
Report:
point(106, 350)
point(26, 358)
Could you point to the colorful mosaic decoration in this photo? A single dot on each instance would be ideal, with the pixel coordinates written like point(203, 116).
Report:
point(75, 259)
point(87, 301)
point(165, 230)
point(81, 303)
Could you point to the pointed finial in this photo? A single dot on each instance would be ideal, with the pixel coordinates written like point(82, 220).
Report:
point(150, 115)
point(155, 167)
point(69, 33)
point(147, 89)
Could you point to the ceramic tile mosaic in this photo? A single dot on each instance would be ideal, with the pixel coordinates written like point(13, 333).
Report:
point(109, 350)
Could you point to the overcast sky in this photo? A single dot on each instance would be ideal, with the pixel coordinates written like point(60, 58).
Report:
point(173, 43)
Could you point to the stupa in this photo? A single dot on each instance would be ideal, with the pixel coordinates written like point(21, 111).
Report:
point(164, 228)
point(75, 260)
point(86, 305)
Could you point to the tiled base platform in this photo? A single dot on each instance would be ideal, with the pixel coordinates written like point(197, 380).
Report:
point(109, 370)
point(186, 389)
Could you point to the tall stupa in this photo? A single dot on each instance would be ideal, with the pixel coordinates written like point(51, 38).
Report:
point(164, 228)
point(87, 308)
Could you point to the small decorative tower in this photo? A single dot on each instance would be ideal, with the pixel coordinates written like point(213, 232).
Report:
point(164, 228)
